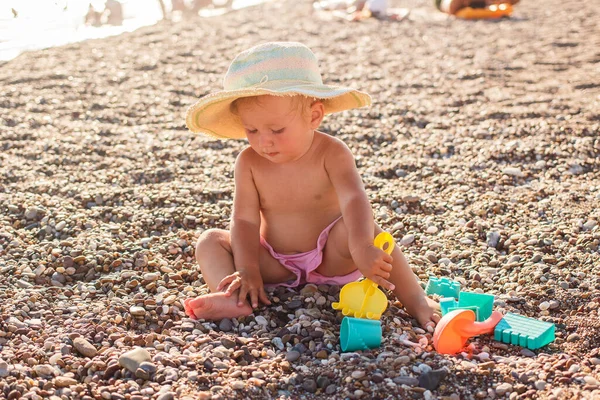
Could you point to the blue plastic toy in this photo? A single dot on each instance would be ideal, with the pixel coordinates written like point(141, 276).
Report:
point(524, 331)
point(446, 303)
point(443, 286)
point(484, 302)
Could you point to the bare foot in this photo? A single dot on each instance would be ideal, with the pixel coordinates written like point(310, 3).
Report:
point(215, 306)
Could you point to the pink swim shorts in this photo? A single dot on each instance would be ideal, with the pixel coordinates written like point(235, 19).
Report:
point(304, 265)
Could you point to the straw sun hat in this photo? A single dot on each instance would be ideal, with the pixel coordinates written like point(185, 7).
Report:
point(280, 69)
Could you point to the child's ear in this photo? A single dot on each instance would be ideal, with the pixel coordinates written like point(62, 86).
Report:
point(317, 112)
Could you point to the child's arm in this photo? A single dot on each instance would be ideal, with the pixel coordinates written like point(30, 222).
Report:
point(245, 233)
point(357, 214)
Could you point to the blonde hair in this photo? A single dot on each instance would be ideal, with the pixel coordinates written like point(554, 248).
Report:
point(299, 103)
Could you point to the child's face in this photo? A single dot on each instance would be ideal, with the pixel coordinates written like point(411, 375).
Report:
point(279, 128)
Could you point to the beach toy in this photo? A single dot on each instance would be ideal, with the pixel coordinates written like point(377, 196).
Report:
point(492, 11)
point(360, 334)
point(484, 302)
point(442, 286)
point(524, 331)
point(475, 309)
point(446, 303)
point(456, 327)
point(364, 299)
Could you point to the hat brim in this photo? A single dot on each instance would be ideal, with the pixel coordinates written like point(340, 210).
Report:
point(212, 115)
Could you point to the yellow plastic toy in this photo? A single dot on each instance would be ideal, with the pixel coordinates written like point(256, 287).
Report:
point(364, 299)
point(490, 12)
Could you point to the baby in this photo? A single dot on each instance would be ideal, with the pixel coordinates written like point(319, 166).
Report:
point(300, 211)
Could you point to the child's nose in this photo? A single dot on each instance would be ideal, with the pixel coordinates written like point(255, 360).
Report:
point(265, 140)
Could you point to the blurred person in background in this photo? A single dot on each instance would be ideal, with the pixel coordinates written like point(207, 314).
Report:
point(453, 6)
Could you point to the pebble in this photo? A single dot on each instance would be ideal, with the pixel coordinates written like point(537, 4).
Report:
point(431, 380)
point(407, 240)
point(64, 381)
point(225, 325)
point(503, 388)
point(292, 355)
point(84, 347)
point(133, 358)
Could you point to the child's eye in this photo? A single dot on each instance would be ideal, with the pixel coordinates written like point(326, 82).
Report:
point(250, 131)
point(279, 130)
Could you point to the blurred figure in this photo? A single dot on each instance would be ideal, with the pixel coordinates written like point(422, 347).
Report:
point(453, 6)
point(14, 12)
point(113, 10)
point(178, 5)
point(93, 17)
point(357, 10)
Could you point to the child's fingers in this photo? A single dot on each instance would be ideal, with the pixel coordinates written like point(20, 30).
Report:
point(263, 297)
point(387, 258)
point(233, 287)
point(386, 267)
point(225, 281)
point(254, 298)
point(384, 283)
point(384, 275)
point(242, 296)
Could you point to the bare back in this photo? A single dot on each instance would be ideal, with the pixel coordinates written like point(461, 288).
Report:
point(297, 199)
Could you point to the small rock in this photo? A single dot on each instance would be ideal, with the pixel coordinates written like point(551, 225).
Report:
point(166, 396)
point(513, 171)
point(133, 358)
point(431, 380)
point(309, 385)
point(539, 385)
point(84, 347)
point(493, 238)
point(137, 311)
point(44, 370)
point(225, 325)
point(64, 381)
point(358, 374)
point(407, 240)
point(527, 353)
point(503, 388)
point(406, 380)
point(292, 355)
point(573, 337)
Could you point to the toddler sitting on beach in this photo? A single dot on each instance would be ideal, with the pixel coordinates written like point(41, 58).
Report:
point(300, 211)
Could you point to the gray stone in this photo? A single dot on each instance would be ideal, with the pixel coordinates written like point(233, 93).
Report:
point(225, 325)
point(503, 388)
point(292, 355)
point(406, 380)
point(431, 380)
point(133, 358)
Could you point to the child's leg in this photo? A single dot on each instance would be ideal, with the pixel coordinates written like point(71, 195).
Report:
point(215, 258)
point(338, 261)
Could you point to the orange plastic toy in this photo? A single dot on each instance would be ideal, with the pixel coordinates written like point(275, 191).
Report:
point(456, 327)
point(490, 12)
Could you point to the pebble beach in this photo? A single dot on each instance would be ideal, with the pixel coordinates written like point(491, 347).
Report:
point(480, 154)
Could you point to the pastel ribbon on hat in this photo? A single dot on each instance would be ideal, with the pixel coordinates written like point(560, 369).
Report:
point(276, 68)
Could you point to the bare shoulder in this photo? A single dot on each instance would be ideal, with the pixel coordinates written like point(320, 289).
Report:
point(247, 157)
point(335, 152)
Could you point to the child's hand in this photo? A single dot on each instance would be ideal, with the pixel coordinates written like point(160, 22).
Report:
point(374, 264)
point(249, 283)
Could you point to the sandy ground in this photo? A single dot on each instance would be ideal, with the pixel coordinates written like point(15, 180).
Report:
point(480, 154)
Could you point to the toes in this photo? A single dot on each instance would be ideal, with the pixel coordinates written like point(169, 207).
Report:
point(430, 326)
point(198, 302)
